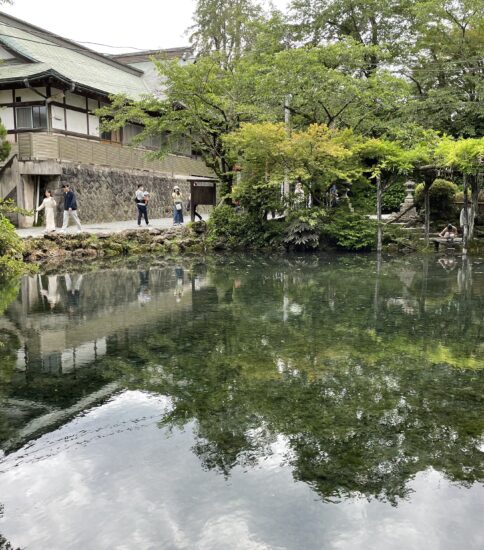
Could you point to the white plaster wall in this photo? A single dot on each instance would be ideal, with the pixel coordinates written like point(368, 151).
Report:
point(76, 122)
point(58, 119)
point(93, 125)
point(27, 94)
point(6, 96)
point(6, 116)
point(75, 100)
point(57, 95)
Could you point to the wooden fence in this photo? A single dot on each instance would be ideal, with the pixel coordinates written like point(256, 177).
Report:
point(45, 146)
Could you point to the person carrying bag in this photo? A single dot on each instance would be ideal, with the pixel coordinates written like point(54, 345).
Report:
point(177, 206)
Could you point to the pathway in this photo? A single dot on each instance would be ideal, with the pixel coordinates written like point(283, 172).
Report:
point(108, 227)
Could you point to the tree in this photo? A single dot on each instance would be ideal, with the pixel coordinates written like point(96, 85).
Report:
point(202, 101)
point(317, 156)
point(382, 25)
point(224, 27)
point(446, 65)
point(327, 86)
point(467, 157)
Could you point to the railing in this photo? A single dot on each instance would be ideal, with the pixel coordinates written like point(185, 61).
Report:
point(46, 146)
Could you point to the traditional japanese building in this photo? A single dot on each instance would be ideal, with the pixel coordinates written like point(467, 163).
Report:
point(50, 89)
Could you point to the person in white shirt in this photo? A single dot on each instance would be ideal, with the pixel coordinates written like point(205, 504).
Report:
point(141, 203)
point(50, 206)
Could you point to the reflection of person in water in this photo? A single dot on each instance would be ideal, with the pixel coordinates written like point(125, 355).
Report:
point(52, 293)
point(144, 295)
point(179, 283)
point(73, 288)
point(448, 263)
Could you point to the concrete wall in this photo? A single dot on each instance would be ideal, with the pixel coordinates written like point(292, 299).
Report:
point(106, 194)
point(9, 180)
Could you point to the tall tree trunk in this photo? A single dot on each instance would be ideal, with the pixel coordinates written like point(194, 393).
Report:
point(379, 237)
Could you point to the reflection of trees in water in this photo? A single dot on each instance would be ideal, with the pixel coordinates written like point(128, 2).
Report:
point(359, 369)
point(363, 404)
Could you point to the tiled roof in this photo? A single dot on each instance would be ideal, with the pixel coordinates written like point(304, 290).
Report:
point(72, 61)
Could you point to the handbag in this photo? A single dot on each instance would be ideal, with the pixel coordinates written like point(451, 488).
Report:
point(179, 205)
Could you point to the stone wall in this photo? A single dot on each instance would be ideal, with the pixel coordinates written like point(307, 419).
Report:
point(107, 194)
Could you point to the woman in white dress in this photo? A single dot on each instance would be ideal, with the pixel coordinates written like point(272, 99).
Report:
point(50, 206)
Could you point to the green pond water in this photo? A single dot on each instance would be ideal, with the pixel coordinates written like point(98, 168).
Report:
point(245, 403)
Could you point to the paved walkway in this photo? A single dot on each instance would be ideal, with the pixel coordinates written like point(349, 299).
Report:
point(109, 227)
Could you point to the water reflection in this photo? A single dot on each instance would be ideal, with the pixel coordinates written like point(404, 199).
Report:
point(354, 376)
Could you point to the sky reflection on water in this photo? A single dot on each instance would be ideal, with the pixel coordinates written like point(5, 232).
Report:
point(277, 405)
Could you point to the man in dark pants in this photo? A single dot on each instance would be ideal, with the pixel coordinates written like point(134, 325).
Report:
point(141, 204)
point(70, 209)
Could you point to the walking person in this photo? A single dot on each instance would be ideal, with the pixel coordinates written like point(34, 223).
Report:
point(70, 208)
point(195, 213)
point(49, 205)
point(142, 204)
point(177, 206)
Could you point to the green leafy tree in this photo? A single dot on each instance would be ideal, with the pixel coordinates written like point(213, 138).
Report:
point(225, 27)
point(310, 76)
point(445, 65)
point(381, 25)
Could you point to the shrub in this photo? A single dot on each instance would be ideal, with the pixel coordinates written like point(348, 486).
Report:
point(442, 195)
point(11, 245)
point(459, 196)
point(393, 197)
point(227, 227)
point(363, 196)
point(351, 231)
point(304, 227)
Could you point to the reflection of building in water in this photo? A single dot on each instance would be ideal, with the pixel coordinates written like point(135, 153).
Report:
point(106, 304)
point(94, 315)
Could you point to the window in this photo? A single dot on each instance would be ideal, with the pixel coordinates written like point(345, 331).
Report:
point(113, 137)
point(31, 117)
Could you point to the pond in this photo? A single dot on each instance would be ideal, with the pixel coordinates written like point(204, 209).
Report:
point(244, 403)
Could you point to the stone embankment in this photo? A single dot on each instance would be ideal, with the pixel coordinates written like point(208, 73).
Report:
point(57, 247)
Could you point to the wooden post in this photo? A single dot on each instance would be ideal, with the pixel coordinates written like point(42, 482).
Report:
point(465, 236)
point(427, 186)
point(475, 185)
point(379, 238)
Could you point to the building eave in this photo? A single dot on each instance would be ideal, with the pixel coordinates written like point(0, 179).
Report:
point(46, 77)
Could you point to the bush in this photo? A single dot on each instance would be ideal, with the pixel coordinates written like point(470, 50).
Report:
point(351, 231)
point(11, 245)
point(393, 197)
point(232, 229)
point(363, 196)
point(459, 196)
point(442, 196)
point(304, 227)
